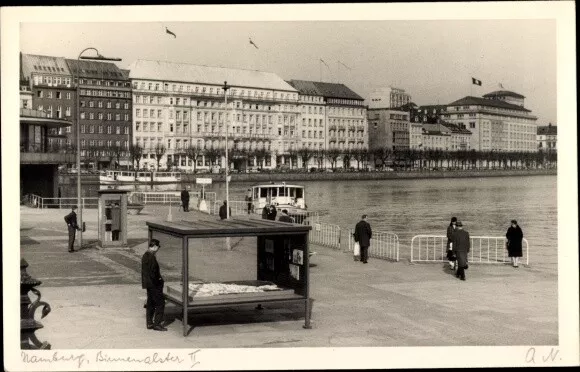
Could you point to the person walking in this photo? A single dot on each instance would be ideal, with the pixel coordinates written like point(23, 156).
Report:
point(224, 212)
point(362, 235)
point(450, 254)
point(249, 200)
point(152, 281)
point(185, 199)
point(461, 245)
point(72, 224)
point(514, 237)
point(272, 213)
point(284, 217)
point(115, 221)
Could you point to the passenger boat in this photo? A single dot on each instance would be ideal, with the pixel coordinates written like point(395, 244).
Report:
point(282, 196)
point(118, 177)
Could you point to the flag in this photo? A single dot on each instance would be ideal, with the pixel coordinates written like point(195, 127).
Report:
point(321, 60)
point(169, 32)
point(254, 44)
point(345, 65)
point(475, 81)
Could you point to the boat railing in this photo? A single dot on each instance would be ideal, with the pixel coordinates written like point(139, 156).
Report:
point(384, 245)
point(484, 249)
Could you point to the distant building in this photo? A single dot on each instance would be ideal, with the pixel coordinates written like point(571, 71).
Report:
point(436, 137)
point(388, 98)
point(181, 105)
point(499, 121)
point(332, 116)
point(389, 128)
point(460, 137)
point(547, 137)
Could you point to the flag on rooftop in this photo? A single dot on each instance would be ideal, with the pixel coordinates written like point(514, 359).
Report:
point(170, 33)
point(475, 81)
point(254, 44)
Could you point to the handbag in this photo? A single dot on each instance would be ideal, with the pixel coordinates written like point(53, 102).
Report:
point(356, 249)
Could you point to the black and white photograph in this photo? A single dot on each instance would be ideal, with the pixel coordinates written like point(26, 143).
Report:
point(172, 158)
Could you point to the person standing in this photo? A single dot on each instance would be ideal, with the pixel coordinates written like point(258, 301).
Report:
point(72, 224)
point(223, 211)
point(514, 237)
point(450, 231)
point(152, 281)
point(461, 245)
point(284, 217)
point(115, 221)
point(265, 211)
point(362, 235)
point(249, 200)
point(272, 213)
point(185, 199)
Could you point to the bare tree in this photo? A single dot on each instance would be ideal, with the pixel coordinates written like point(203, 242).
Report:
point(136, 154)
point(213, 155)
point(159, 151)
point(116, 152)
point(319, 155)
point(332, 155)
point(305, 155)
point(293, 155)
point(193, 153)
point(261, 155)
point(383, 154)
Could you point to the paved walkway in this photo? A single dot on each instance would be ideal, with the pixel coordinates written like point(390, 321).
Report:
point(97, 300)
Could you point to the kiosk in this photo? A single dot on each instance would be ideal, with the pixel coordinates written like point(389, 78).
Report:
point(112, 218)
point(282, 268)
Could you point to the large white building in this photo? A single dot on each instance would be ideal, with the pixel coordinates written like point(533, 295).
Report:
point(498, 121)
point(388, 98)
point(547, 137)
point(179, 105)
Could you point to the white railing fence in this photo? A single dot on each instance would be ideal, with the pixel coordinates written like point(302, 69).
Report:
point(325, 234)
point(484, 249)
point(384, 245)
point(237, 207)
point(66, 203)
point(173, 197)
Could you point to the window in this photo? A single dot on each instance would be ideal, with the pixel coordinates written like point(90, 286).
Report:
point(67, 112)
point(100, 129)
point(68, 96)
point(126, 130)
point(82, 115)
point(117, 116)
point(126, 117)
point(118, 105)
point(137, 126)
point(109, 104)
point(91, 104)
point(83, 129)
point(109, 129)
point(91, 115)
point(472, 125)
point(109, 116)
point(117, 130)
point(126, 106)
point(138, 113)
point(91, 129)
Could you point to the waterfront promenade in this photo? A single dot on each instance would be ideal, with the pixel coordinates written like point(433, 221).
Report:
point(97, 300)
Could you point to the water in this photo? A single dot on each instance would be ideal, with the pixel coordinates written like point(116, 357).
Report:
point(425, 206)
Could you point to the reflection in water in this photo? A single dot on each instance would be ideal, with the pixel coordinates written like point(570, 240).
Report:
point(425, 206)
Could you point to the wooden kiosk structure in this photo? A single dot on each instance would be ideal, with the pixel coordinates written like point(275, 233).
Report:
point(282, 261)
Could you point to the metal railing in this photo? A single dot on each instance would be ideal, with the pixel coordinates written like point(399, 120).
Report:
point(484, 249)
point(325, 234)
point(384, 245)
point(237, 207)
point(173, 197)
point(36, 201)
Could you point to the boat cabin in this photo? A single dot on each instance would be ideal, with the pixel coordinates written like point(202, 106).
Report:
point(279, 194)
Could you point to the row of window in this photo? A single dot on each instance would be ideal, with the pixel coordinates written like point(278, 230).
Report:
point(57, 113)
point(101, 143)
point(105, 93)
point(108, 104)
point(49, 94)
point(312, 134)
point(107, 83)
point(51, 80)
point(101, 128)
point(340, 101)
point(101, 116)
point(342, 134)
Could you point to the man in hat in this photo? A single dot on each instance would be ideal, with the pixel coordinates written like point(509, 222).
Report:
point(71, 222)
point(185, 199)
point(362, 235)
point(461, 245)
point(284, 217)
point(514, 237)
point(152, 281)
point(249, 200)
point(223, 212)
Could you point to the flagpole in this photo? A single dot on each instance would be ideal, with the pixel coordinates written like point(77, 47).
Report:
point(226, 87)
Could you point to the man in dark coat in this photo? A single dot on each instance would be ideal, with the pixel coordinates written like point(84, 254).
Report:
point(224, 212)
point(514, 237)
point(71, 222)
point(185, 200)
point(152, 281)
point(272, 213)
point(284, 217)
point(461, 245)
point(265, 212)
point(362, 235)
point(450, 231)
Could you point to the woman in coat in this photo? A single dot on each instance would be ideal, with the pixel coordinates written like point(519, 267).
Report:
point(514, 237)
point(450, 231)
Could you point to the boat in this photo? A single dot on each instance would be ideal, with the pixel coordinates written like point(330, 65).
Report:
point(282, 196)
point(113, 177)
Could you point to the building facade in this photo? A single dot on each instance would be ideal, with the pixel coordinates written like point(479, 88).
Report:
point(388, 98)
point(104, 111)
point(498, 122)
point(547, 137)
point(389, 128)
point(179, 109)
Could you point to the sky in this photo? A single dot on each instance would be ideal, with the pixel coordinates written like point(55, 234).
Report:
point(433, 60)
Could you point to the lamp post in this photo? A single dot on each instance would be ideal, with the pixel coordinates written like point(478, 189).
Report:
point(225, 88)
point(98, 57)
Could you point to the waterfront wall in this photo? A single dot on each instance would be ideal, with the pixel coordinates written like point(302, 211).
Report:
point(341, 176)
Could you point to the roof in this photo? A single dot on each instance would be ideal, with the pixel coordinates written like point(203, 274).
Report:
point(229, 227)
point(503, 93)
point(470, 100)
point(95, 69)
point(548, 130)
point(328, 90)
point(455, 128)
point(190, 73)
point(436, 129)
point(32, 63)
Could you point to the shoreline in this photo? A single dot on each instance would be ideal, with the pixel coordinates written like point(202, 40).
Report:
point(65, 179)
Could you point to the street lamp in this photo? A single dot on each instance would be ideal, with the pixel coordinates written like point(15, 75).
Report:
point(225, 88)
point(98, 57)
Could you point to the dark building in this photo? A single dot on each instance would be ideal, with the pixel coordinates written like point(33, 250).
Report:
point(104, 111)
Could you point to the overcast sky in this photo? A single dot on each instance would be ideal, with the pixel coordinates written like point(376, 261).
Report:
point(432, 60)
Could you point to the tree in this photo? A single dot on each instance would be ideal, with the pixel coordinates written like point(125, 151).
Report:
point(261, 155)
point(193, 153)
point(305, 155)
point(116, 152)
point(383, 154)
point(159, 151)
point(332, 155)
point(293, 155)
point(320, 155)
point(360, 155)
point(136, 154)
point(213, 155)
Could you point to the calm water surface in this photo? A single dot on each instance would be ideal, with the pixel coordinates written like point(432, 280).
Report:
point(425, 206)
